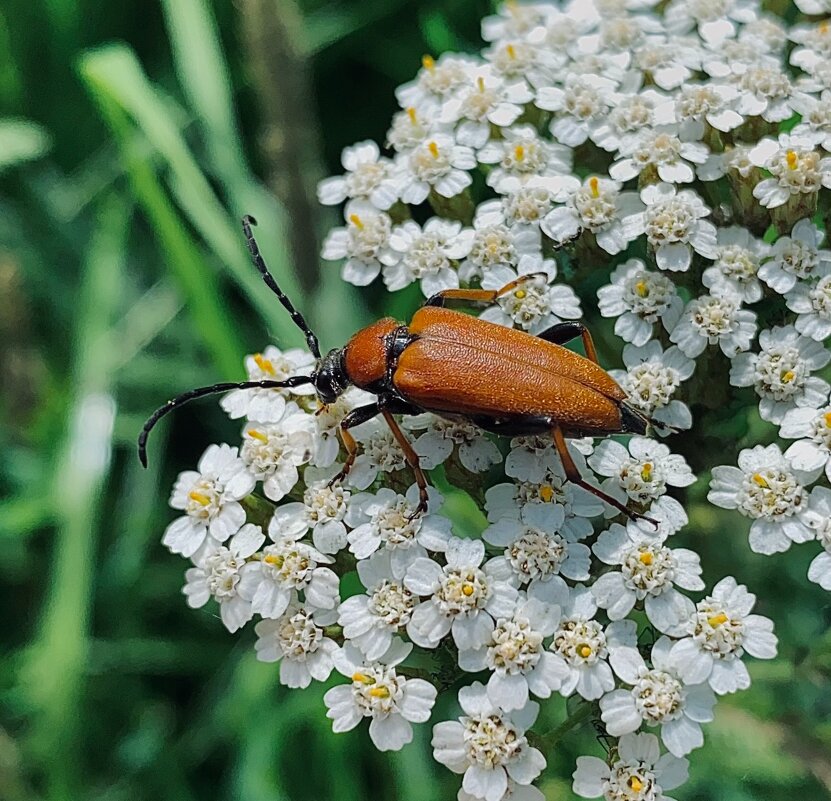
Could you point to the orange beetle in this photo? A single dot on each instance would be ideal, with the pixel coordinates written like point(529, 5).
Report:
point(455, 365)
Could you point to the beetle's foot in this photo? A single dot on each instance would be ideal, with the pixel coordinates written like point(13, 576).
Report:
point(635, 516)
point(338, 478)
point(419, 510)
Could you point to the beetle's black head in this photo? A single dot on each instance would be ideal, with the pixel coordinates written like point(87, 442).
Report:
point(330, 378)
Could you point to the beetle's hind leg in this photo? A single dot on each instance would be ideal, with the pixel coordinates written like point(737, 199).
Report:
point(573, 475)
point(481, 295)
point(412, 460)
point(561, 333)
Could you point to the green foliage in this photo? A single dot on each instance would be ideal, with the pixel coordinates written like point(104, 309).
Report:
point(124, 279)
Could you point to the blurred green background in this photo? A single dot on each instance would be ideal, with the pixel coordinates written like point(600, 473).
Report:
point(133, 135)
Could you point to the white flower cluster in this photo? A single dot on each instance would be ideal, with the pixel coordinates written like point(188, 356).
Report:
point(682, 151)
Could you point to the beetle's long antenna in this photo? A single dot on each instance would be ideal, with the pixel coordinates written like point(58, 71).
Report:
point(201, 392)
point(259, 263)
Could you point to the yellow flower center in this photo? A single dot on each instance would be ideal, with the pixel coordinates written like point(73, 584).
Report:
point(511, 51)
point(411, 113)
point(276, 561)
point(760, 480)
point(480, 82)
point(594, 185)
point(379, 692)
point(202, 500)
point(645, 558)
point(717, 620)
point(547, 491)
point(253, 432)
point(519, 152)
point(520, 294)
point(363, 678)
point(428, 62)
point(792, 159)
point(264, 364)
point(788, 376)
point(646, 472)
point(827, 418)
point(356, 221)
point(635, 784)
point(434, 149)
point(467, 589)
point(641, 289)
point(585, 651)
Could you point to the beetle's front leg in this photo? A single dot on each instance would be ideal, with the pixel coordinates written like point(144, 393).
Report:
point(573, 475)
point(357, 416)
point(481, 295)
point(412, 459)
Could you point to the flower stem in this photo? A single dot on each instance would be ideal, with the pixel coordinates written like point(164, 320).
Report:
point(580, 715)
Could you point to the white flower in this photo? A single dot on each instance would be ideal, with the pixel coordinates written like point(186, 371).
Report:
point(272, 452)
point(409, 129)
point(369, 621)
point(524, 207)
point(695, 106)
point(493, 245)
point(380, 452)
point(322, 510)
point(428, 255)
point(812, 303)
point(442, 437)
point(580, 105)
point(781, 372)
point(659, 697)
point(537, 555)
point(517, 657)
point(720, 632)
point(815, 126)
point(533, 305)
point(289, 566)
point(364, 243)
point(765, 91)
point(674, 226)
point(521, 59)
point(649, 572)
point(796, 256)
point(269, 405)
point(668, 62)
point(639, 773)
point(642, 472)
point(717, 318)
point(210, 497)
point(812, 428)
point(487, 100)
point(436, 81)
point(385, 520)
point(796, 167)
point(651, 380)
point(526, 500)
point(736, 267)
point(392, 701)
point(768, 489)
point(462, 597)
point(597, 206)
point(631, 114)
point(439, 164)
point(488, 745)
point(662, 150)
point(813, 6)
point(514, 20)
point(369, 176)
point(584, 645)
point(524, 158)
point(223, 574)
point(296, 640)
point(639, 298)
point(818, 518)
point(533, 458)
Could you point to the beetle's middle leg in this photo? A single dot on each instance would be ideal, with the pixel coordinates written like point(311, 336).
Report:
point(561, 333)
point(481, 295)
point(412, 459)
point(573, 475)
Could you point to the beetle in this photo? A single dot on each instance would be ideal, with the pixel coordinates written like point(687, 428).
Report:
point(452, 364)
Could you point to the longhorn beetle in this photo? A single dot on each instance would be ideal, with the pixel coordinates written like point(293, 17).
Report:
point(455, 365)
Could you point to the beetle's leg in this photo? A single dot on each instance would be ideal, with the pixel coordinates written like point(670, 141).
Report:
point(412, 460)
point(354, 418)
point(561, 333)
point(480, 295)
point(573, 475)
